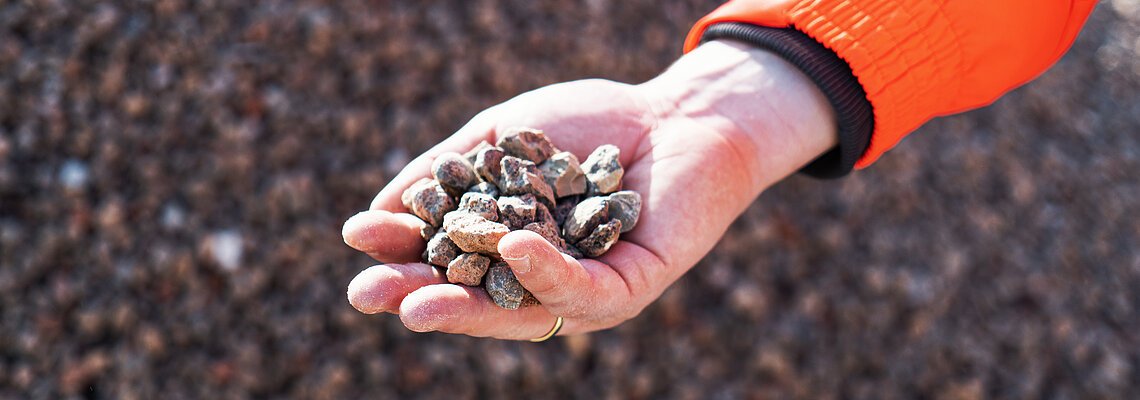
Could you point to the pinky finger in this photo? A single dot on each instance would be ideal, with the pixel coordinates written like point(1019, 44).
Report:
point(470, 311)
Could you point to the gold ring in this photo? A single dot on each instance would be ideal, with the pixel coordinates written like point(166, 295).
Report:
point(553, 331)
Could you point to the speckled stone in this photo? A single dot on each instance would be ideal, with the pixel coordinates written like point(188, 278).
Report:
point(521, 177)
point(600, 240)
point(479, 204)
point(428, 200)
point(473, 233)
point(454, 173)
point(441, 250)
point(625, 206)
point(486, 188)
point(505, 290)
point(526, 143)
point(488, 165)
point(586, 216)
point(603, 169)
point(563, 174)
point(468, 269)
point(470, 155)
point(517, 211)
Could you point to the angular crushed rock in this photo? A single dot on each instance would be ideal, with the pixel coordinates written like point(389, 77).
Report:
point(486, 188)
point(563, 174)
point(505, 289)
point(468, 269)
point(428, 200)
point(600, 240)
point(516, 211)
point(520, 176)
point(603, 169)
point(454, 173)
point(473, 233)
point(625, 206)
point(441, 250)
point(526, 143)
point(479, 204)
point(470, 155)
point(488, 165)
point(586, 216)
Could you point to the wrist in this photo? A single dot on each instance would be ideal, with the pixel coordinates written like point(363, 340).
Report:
point(764, 105)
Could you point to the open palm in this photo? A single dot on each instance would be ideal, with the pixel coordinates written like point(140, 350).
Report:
point(694, 181)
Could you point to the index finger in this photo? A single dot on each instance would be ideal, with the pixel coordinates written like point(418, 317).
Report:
point(480, 128)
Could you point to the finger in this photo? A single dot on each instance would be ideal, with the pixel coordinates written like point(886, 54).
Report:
point(480, 128)
point(381, 288)
point(385, 236)
point(470, 311)
point(563, 285)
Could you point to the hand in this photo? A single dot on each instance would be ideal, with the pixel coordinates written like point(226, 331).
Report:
point(685, 149)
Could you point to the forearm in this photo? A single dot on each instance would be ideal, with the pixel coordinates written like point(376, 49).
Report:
point(781, 117)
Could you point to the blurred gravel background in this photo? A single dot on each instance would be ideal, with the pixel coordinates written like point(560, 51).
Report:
point(174, 174)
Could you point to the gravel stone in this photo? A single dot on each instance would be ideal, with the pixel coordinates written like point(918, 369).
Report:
point(441, 250)
point(468, 269)
point(586, 216)
point(600, 240)
point(428, 200)
point(473, 233)
point(505, 289)
point(563, 174)
point(427, 231)
point(479, 204)
point(625, 205)
point(486, 188)
point(488, 164)
point(564, 208)
point(603, 169)
point(517, 211)
point(472, 154)
point(521, 176)
point(548, 231)
point(526, 143)
point(454, 173)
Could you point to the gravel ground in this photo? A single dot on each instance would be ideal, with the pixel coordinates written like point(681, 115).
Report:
point(173, 176)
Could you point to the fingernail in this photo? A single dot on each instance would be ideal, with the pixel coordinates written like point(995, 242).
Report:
point(520, 265)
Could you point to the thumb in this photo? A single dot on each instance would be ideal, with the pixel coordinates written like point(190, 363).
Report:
point(557, 280)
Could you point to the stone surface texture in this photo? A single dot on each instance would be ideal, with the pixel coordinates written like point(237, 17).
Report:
point(516, 211)
point(428, 200)
point(521, 176)
point(601, 239)
point(479, 204)
point(586, 216)
point(505, 289)
point(473, 233)
point(603, 169)
point(563, 174)
point(526, 143)
point(488, 165)
point(468, 269)
point(625, 206)
point(441, 250)
point(454, 173)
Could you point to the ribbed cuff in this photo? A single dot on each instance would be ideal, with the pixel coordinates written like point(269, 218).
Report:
point(833, 76)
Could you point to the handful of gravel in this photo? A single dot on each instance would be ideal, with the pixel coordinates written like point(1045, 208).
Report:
point(522, 182)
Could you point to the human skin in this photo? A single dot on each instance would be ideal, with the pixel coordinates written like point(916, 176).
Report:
point(698, 142)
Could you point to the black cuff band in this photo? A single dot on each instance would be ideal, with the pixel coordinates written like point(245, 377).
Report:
point(833, 76)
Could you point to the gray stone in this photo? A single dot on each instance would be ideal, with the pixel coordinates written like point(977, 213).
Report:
point(563, 174)
point(603, 169)
point(564, 207)
point(427, 231)
point(473, 233)
point(468, 269)
point(625, 206)
point(428, 200)
point(505, 289)
point(454, 173)
point(600, 240)
point(517, 211)
point(586, 216)
point(573, 251)
point(479, 204)
point(440, 250)
point(486, 188)
point(526, 143)
point(522, 177)
point(488, 164)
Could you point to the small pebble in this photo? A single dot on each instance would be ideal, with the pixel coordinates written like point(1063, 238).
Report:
point(486, 188)
point(428, 200)
point(563, 174)
point(586, 216)
point(548, 232)
point(488, 164)
point(526, 143)
point(505, 289)
point(521, 176)
point(441, 250)
point(472, 154)
point(454, 173)
point(603, 169)
point(517, 211)
point(625, 206)
point(479, 204)
point(473, 233)
point(600, 240)
point(468, 269)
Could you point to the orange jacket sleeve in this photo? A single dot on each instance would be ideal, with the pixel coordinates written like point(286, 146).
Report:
point(918, 59)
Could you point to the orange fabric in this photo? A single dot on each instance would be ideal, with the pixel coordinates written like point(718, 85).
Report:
point(918, 59)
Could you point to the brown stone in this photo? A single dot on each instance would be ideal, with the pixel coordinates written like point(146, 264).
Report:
point(505, 289)
point(473, 233)
point(603, 169)
point(526, 143)
point(488, 164)
point(600, 240)
point(427, 231)
point(454, 173)
point(548, 232)
point(586, 216)
point(564, 207)
point(470, 155)
point(486, 188)
point(479, 204)
point(440, 250)
point(625, 206)
point(517, 211)
point(468, 269)
point(521, 177)
point(563, 174)
point(428, 200)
